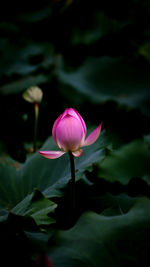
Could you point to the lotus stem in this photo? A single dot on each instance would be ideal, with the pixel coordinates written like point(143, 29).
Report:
point(36, 109)
point(73, 197)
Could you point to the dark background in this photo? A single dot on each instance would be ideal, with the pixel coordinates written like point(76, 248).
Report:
point(41, 43)
point(93, 56)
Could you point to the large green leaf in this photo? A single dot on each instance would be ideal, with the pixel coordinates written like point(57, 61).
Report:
point(37, 207)
point(22, 84)
point(99, 26)
point(21, 60)
point(109, 204)
point(105, 78)
point(98, 240)
point(49, 176)
point(25, 62)
point(39, 239)
point(130, 161)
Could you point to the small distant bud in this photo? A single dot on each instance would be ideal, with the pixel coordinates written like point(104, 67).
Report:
point(33, 95)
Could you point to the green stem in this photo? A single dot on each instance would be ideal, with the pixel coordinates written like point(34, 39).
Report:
point(36, 109)
point(73, 198)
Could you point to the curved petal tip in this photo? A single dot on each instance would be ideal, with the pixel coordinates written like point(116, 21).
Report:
point(93, 136)
point(51, 154)
point(77, 153)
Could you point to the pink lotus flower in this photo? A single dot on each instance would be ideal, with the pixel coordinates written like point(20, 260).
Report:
point(69, 133)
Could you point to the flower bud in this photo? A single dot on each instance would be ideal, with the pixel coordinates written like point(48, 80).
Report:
point(69, 133)
point(33, 95)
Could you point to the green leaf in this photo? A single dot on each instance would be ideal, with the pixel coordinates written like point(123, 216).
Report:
point(109, 203)
point(22, 84)
point(3, 215)
point(144, 50)
point(36, 206)
point(24, 60)
point(49, 176)
point(130, 161)
point(35, 16)
point(39, 240)
point(97, 28)
point(98, 240)
point(105, 78)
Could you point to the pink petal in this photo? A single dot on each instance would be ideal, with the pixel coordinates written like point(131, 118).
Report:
point(78, 153)
point(75, 114)
point(70, 111)
point(54, 128)
point(69, 133)
point(82, 121)
point(93, 136)
point(51, 154)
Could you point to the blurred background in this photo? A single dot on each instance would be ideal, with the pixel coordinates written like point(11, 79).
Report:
point(93, 56)
point(90, 55)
